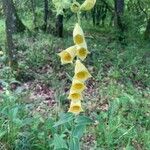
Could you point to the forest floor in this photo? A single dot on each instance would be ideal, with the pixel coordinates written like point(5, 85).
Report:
point(117, 96)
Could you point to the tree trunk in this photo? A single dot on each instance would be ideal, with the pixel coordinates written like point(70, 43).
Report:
point(147, 31)
point(11, 51)
point(45, 14)
point(98, 15)
point(59, 25)
point(34, 13)
point(17, 25)
point(119, 10)
point(93, 15)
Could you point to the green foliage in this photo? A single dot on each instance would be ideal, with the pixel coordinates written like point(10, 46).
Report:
point(61, 4)
point(123, 124)
point(23, 131)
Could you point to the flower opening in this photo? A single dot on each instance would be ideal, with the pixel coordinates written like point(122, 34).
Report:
point(77, 86)
point(78, 39)
point(75, 95)
point(75, 7)
point(81, 72)
point(68, 55)
point(75, 107)
point(78, 35)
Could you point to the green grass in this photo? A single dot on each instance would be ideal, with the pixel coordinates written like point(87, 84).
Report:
point(2, 31)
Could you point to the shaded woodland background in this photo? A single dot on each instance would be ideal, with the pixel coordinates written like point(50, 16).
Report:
point(34, 85)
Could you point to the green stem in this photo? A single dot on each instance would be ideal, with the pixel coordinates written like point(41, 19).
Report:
point(78, 17)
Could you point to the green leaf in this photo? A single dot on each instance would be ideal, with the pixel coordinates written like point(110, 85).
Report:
point(74, 144)
point(2, 133)
point(59, 142)
point(83, 120)
point(78, 131)
point(64, 119)
point(61, 4)
point(18, 122)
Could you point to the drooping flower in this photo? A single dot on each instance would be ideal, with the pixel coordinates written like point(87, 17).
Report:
point(75, 107)
point(74, 95)
point(75, 7)
point(88, 5)
point(68, 55)
point(81, 72)
point(82, 51)
point(77, 86)
point(78, 35)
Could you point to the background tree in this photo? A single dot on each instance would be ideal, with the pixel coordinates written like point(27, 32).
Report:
point(16, 23)
point(11, 51)
point(147, 31)
point(33, 7)
point(60, 6)
point(119, 11)
point(59, 25)
point(45, 14)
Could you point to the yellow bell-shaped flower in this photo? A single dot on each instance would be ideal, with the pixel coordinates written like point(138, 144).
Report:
point(75, 96)
point(77, 86)
point(68, 55)
point(75, 107)
point(82, 51)
point(81, 72)
point(75, 7)
point(78, 35)
point(88, 5)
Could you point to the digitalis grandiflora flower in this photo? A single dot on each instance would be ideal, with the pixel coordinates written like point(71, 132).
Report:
point(88, 5)
point(81, 72)
point(77, 86)
point(75, 107)
point(78, 35)
point(68, 55)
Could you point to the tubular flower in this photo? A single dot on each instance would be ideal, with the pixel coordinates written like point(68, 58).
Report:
point(78, 35)
point(75, 96)
point(75, 107)
point(82, 51)
point(88, 5)
point(75, 7)
point(68, 55)
point(81, 72)
point(1, 53)
point(77, 86)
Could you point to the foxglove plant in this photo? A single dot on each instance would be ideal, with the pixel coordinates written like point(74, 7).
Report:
point(79, 51)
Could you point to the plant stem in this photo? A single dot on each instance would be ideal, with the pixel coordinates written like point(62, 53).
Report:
point(78, 17)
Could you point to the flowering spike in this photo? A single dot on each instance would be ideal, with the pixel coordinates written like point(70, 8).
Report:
point(68, 55)
point(78, 35)
point(75, 107)
point(81, 72)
